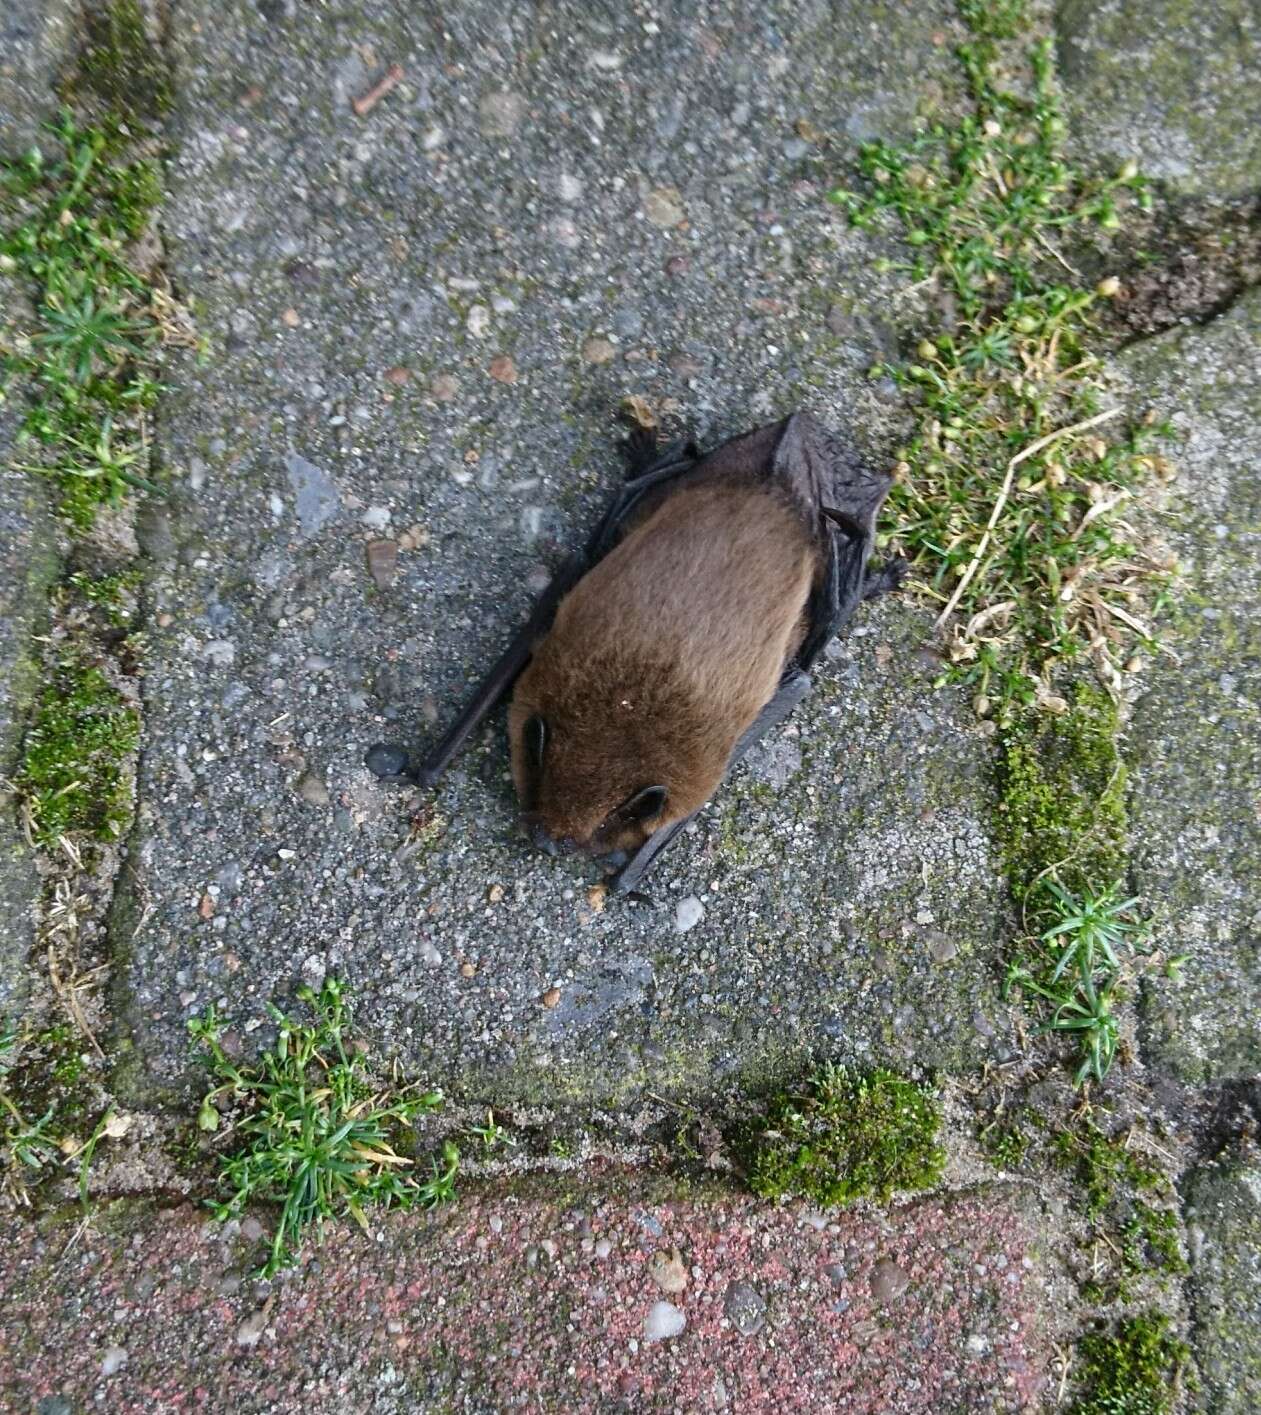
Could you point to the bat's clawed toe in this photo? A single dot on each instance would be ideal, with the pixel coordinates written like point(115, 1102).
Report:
point(886, 579)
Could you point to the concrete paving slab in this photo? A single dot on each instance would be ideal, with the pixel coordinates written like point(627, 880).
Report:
point(1196, 732)
point(1176, 87)
point(614, 204)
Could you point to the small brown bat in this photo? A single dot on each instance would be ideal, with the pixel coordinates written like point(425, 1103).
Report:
point(653, 663)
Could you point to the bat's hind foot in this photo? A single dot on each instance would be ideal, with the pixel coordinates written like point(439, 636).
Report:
point(886, 579)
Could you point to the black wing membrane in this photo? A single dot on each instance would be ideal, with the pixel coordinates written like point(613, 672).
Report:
point(837, 492)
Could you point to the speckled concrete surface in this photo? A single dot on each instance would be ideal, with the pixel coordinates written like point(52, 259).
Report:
point(619, 204)
point(1197, 729)
point(1177, 87)
point(522, 1300)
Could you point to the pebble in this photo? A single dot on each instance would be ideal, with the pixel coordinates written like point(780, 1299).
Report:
point(685, 366)
point(312, 789)
point(688, 914)
point(550, 998)
point(745, 1308)
point(663, 1321)
point(376, 518)
point(382, 562)
point(495, 893)
point(663, 206)
point(250, 1332)
point(569, 187)
point(221, 653)
point(500, 114)
point(678, 265)
point(398, 375)
point(433, 139)
point(429, 955)
point(941, 949)
point(113, 1361)
point(502, 369)
point(445, 387)
point(478, 321)
point(888, 1281)
point(467, 970)
point(667, 1271)
point(598, 351)
point(603, 1247)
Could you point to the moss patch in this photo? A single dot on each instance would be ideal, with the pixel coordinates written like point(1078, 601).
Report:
point(1133, 1371)
point(843, 1137)
point(1062, 796)
point(72, 780)
point(121, 65)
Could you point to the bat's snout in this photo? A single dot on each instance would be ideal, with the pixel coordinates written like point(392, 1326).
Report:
point(540, 837)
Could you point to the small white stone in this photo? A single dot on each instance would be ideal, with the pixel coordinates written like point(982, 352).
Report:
point(376, 518)
point(220, 652)
point(433, 139)
point(603, 1247)
point(689, 913)
point(663, 1321)
point(569, 187)
point(114, 1361)
point(429, 955)
point(478, 321)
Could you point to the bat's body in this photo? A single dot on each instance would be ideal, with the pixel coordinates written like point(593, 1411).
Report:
point(709, 588)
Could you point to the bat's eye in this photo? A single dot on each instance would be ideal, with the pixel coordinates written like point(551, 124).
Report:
point(535, 734)
point(643, 805)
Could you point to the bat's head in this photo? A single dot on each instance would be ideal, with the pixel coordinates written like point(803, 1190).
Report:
point(605, 751)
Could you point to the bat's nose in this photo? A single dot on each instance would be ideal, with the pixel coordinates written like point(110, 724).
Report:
point(537, 832)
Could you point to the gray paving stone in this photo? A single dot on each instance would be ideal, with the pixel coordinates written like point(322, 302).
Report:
point(1175, 86)
point(450, 225)
point(1223, 1214)
point(1197, 730)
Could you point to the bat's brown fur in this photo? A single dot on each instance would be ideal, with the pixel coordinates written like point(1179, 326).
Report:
point(659, 659)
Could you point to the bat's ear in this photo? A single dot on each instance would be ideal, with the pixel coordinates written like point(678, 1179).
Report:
point(644, 805)
point(534, 734)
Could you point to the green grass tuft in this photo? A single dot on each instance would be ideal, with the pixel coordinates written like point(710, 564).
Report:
point(1006, 502)
point(309, 1130)
point(89, 368)
point(844, 1137)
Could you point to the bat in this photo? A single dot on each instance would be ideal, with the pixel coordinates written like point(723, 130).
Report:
point(680, 636)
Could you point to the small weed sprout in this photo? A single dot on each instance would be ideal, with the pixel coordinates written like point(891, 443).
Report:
point(492, 1134)
point(1082, 961)
point(309, 1130)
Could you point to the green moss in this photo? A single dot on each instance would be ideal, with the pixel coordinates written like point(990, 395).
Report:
point(1104, 1168)
point(844, 1137)
point(1132, 1372)
point(1005, 1145)
point(121, 64)
point(1150, 1241)
point(72, 778)
point(1062, 796)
